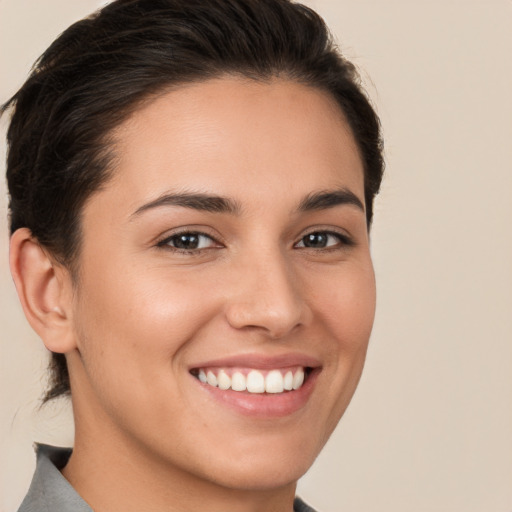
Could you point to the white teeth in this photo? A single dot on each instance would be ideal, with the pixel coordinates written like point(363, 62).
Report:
point(298, 379)
point(255, 382)
point(238, 382)
point(288, 381)
point(211, 379)
point(274, 382)
point(223, 380)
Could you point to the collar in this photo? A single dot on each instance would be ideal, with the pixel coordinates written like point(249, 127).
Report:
point(49, 490)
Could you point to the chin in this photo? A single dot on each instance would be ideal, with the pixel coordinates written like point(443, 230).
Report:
point(268, 463)
point(264, 474)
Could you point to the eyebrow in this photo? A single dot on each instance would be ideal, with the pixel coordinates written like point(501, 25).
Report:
point(328, 199)
point(195, 201)
point(321, 200)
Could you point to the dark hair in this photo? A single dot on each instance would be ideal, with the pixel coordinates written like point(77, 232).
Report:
point(101, 69)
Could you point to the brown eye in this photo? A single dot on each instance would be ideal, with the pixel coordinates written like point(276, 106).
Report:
point(323, 240)
point(189, 241)
point(316, 240)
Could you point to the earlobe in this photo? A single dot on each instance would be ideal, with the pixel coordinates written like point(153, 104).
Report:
point(44, 290)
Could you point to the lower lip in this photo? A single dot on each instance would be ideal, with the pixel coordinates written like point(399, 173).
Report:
point(264, 405)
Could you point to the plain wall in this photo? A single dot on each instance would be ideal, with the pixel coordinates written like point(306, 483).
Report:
point(430, 427)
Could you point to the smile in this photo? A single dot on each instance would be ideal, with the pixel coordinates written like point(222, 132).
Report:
point(251, 380)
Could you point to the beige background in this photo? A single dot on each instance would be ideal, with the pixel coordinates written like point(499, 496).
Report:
point(430, 428)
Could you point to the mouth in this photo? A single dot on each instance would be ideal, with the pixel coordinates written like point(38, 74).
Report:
point(258, 381)
point(259, 386)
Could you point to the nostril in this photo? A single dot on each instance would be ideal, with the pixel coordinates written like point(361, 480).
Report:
point(261, 316)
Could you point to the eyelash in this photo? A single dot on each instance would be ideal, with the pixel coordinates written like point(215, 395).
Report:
point(344, 241)
point(165, 243)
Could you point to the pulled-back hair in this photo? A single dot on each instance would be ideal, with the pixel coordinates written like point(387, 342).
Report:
point(101, 69)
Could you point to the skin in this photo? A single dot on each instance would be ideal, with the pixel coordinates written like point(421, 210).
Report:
point(141, 314)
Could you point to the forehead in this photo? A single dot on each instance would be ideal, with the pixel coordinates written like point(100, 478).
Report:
point(228, 134)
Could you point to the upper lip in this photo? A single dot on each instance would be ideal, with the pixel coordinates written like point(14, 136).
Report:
point(260, 361)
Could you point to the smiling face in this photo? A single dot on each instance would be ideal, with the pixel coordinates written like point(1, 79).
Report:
point(229, 251)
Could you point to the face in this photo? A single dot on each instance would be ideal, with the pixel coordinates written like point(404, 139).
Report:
point(226, 291)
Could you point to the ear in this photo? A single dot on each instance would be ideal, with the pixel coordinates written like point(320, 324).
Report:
point(45, 291)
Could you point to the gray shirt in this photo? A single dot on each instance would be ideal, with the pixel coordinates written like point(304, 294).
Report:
point(51, 492)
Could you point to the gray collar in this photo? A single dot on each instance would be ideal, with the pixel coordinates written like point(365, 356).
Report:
point(49, 490)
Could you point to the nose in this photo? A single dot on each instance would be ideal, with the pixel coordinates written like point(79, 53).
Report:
point(267, 297)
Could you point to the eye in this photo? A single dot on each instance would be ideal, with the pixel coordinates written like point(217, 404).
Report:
point(189, 241)
point(323, 240)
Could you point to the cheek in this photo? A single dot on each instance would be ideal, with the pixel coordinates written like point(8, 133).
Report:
point(345, 313)
point(344, 302)
point(135, 328)
point(134, 337)
point(138, 302)
point(353, 321)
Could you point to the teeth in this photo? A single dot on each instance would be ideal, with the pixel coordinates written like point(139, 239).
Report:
point(288, 381)
point(238, 382)
point(223, 380)
point(211, 379)
point(255, 382)
point(298, 379)
point(275, 381)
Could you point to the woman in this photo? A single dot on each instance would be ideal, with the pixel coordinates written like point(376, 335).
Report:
point(191, 188)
